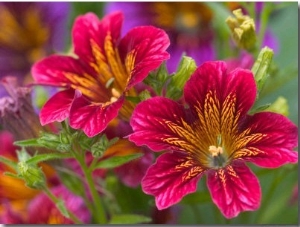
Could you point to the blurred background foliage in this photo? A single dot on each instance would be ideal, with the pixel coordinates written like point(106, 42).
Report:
point(277, 184)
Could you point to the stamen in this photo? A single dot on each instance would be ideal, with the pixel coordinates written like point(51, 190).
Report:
point(215, 151)
point(115, 93)
point(113, 99)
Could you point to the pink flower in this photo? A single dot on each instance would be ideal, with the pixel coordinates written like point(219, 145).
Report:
point(214, 137)
point(43, 211)
point(103, 72)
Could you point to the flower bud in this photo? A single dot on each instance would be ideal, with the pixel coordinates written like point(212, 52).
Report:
point(185, 69)
point(32, 175)
point(261, 66)
point(243, 30)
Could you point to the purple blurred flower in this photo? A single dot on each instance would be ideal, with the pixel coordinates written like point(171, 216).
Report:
point(188, 25)
point(29, 31)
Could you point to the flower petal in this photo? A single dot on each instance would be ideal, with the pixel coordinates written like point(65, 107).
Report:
point(234, 189)
point(58, 70)
point(273, 137)
point(144, 49)
point(218, 98)
point(160, 123)
point(173, 176)
point(88, 30)
point(57, 108)
point(93, 118)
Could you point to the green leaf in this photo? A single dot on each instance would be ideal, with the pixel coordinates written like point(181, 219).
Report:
point(116, 161)
point(45, 157)
point(129, 219)
point(8, 162)
point(28, 143)
point(71, 180)
point(62, 208)
point(259, 108)
point(12, 175)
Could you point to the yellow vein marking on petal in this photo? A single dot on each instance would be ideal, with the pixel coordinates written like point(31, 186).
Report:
point(188, 164)
point(221, 175)
point(209, 117)
point(184, 138)
point(88, 86)
point(114, 62)
point(129, 63)
point(244, 140)
point(229, 118)
point(247, 152)
point(194, 171)
point(100, 66)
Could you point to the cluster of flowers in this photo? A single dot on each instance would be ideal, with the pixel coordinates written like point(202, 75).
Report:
point(198, 115)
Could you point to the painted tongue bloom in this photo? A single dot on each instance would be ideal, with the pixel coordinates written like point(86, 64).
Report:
point(103, 72)
point(214, 137)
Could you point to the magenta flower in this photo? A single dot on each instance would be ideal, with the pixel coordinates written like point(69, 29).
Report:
point(213, 137)
point(42, 210)
point(188, 24)
point(29, 31)
point(104, 71)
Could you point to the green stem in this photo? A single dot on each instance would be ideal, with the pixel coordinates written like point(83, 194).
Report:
point(99, 213)
point(264, 17)
point(56, 201)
